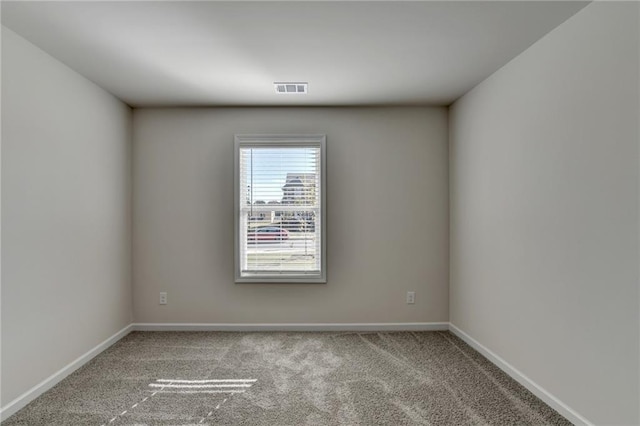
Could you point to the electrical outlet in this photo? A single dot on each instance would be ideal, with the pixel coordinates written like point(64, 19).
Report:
point(163, 298)
point(411, 297)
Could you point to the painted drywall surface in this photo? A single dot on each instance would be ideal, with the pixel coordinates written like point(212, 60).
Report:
point(544, 213)
point(387, 216)
point(66, 215)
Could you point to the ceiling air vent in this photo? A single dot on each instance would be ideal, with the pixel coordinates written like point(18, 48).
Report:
point(291, 88)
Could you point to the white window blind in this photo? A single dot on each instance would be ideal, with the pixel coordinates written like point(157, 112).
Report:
point(280, 214)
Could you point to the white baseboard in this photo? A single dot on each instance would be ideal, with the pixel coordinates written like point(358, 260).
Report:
point(400, 326)
point(532, 386)
point(21, 401)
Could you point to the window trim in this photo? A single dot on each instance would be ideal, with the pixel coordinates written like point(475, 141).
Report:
point(241, 140)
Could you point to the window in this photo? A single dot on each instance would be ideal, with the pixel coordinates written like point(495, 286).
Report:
point(280, 209)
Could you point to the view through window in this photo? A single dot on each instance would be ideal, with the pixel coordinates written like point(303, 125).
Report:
point(280, 209)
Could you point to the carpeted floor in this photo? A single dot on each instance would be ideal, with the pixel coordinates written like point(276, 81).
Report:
point(278, 379)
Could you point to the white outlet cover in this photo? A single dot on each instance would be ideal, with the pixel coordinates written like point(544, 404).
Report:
point(411, 297)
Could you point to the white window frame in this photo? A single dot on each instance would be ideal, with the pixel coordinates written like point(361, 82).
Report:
point(282, 141)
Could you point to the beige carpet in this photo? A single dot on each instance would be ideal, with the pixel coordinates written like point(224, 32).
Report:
point(277, 379)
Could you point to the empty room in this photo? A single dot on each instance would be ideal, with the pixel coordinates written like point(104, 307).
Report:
point(320, 213)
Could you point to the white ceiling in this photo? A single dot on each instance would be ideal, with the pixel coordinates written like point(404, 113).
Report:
point(159, 53)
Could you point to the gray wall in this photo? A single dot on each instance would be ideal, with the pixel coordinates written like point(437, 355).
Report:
point(66, 268)
point(387, 216)
point(544, 213)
